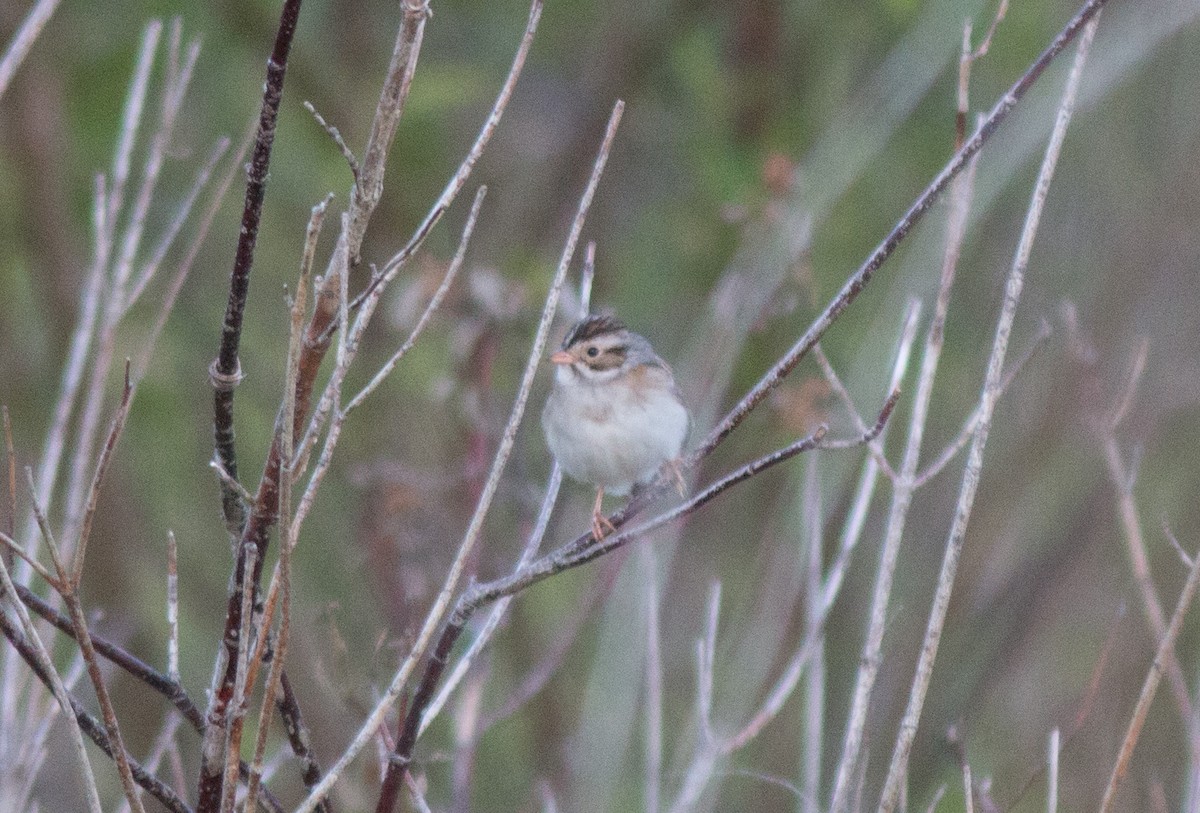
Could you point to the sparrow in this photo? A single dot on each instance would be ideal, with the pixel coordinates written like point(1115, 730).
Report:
point(614, 416)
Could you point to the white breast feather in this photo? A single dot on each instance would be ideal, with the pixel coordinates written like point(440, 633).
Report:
point(617, 447)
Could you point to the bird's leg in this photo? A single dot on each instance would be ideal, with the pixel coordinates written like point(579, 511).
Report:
point(677, 474)
point(599, 521)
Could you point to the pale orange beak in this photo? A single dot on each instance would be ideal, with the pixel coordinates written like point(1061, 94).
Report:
point(561, 357)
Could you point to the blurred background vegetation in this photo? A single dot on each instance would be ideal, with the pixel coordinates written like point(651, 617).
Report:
point(743, 120)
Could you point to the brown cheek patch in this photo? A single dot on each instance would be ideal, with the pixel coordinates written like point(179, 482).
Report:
point(608, 360)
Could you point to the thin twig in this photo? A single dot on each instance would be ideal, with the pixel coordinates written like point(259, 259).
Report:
point(40, 660)
point(652, 755)
point(815, 699)
point(22, 42)
point(459, 179)
point(1165, 647)
point(336, 135)
point(1183, 555)
point(68, 588)
point(1121, 409)
point(991, 392)
point(110, 445)
point(226, 371)
point(967, 58)
point(1053, 749)
point(437, 614)
point(368, 181)
point(10, 456)
point(705, 749)
point(316, 220)
point(37, 566)
point(89, 725)
point(287, 539)
point(228, 481)
point(1135, 543)
point(130, 243)
point(934, 468)
point(182, 213)
point(839, 389)
point(533, 543)
point(172, 607)
point(434, 303)
point(189, 258)
point(902, 495)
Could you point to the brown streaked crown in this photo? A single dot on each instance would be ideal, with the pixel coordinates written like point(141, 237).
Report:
point(592, 326)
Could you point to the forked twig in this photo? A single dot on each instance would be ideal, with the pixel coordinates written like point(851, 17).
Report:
point(407, 739)
point(991, 391)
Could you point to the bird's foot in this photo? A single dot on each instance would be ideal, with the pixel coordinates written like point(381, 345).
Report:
point(677, 476)
point(601, 527)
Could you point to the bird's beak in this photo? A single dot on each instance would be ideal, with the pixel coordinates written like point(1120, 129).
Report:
point(561, 357)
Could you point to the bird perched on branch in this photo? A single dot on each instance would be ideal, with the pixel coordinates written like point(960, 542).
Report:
point(614, 415)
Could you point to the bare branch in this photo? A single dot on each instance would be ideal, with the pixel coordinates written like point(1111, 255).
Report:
point(37, 566)
point(437, 614)
point(434, 303)
point(39, 659)
point(955, 446)
point(459, 179)
point(226, 372)
point(110, 445)
point(172, 607)
point(991, 392)
point(1166, 647)
point(78, 720)
point(368, 181)
point(22, 41)
point(859, 280)
point(1053, 750)
point(336, 135)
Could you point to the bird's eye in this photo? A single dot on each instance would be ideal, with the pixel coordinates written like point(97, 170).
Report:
point(593, 351)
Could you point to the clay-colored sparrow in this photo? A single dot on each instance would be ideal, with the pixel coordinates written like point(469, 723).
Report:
point(614, 415)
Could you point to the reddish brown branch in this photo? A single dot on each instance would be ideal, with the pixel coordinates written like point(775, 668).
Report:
point(225, 373)
point(92, 727)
